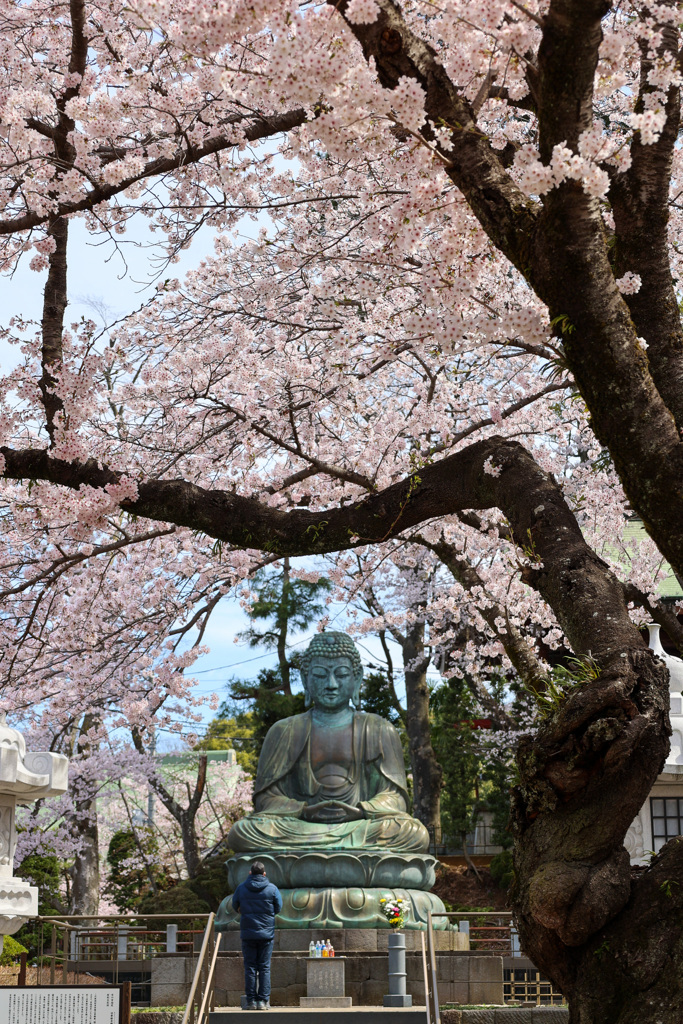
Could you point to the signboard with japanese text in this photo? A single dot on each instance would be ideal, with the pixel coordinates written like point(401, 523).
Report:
point(67, 1004)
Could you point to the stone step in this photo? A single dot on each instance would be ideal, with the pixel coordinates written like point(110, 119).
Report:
point(315, 1015)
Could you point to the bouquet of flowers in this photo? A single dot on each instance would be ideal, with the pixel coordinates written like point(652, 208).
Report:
point(393, 911)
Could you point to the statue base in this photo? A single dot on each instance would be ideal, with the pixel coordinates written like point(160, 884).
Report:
point(341, 907)
point(365, 869)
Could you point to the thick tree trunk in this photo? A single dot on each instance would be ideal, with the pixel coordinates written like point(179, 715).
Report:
point(85, 872)
point(427, 774)
point(608, 938)
point(191, 853)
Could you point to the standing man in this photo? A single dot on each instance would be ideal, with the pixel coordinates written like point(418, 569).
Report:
point(257, 901)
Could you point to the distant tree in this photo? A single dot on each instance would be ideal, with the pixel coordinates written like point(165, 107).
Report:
point(266, 703)
point(284, 604)
point(46, 872)
point(476, 753)
point(134, 868)
point(378, 695)
point(229, 731)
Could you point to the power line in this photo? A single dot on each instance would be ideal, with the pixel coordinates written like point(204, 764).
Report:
point(257, 657)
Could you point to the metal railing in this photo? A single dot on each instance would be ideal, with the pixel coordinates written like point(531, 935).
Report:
point(202, 994)
point(527, 985)
point(524, 982)
point(81, 945)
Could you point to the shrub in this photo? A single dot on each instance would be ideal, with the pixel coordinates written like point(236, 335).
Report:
point(501, 869)
point(11, 951)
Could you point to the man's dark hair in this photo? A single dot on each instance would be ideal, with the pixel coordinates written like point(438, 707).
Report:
point(257, 868)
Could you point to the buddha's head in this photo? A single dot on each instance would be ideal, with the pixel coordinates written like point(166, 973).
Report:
point(331, 671)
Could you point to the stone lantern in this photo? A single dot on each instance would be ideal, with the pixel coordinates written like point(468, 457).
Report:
point(24, 777)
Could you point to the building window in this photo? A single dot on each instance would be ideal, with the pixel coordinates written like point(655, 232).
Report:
point(667, 819)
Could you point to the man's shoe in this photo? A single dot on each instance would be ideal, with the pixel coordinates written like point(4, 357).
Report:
point(252, 1006)
point(262, 1006)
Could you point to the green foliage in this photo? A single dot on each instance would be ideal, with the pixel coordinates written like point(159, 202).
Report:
point(456, 749)
point(232, 732)
point(198, 895)
point(501, 869)
point(267, 703)
point(562, 681)
point(284, 605)
point(477, 766)
point(377, 696)
point(45, 872)
point(129, 880)
point(11, 951)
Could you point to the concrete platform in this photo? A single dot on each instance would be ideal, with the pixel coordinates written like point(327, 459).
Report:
point(290, 1014)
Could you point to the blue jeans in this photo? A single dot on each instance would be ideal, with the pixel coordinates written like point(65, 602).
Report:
point(257, 954)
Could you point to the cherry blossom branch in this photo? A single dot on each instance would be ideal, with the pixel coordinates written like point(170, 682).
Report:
point(518, 651)
point(262, 127)
point(506, 213)
point(640, 197)
point(491, 473)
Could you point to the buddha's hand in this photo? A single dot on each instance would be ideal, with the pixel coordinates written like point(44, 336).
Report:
point(332, 811)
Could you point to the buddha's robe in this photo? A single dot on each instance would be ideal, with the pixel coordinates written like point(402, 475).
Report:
point(285, 784)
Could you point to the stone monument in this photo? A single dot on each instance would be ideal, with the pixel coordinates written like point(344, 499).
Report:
point(24, 777)
point(330, 819)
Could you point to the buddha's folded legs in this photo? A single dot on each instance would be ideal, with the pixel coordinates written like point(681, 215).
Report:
point(258, 832)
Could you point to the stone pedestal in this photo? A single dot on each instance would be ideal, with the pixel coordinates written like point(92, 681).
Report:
point(325, 983)
point(24, 777)
point(397, 972)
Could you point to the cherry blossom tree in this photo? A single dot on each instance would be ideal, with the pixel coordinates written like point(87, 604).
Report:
point(460, 327)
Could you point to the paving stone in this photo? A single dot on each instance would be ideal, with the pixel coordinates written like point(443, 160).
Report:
point(451, 1017)
point(159, 1017)
point(550, 1015)
point(478, 1016)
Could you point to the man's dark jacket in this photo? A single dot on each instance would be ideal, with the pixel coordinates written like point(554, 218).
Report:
point(258, 901)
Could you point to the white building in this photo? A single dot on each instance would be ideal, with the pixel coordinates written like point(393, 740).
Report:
point(661, 816)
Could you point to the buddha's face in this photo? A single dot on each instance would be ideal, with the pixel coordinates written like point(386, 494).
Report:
point(331, 682)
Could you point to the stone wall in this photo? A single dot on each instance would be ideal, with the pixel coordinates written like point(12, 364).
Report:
point(461, 979)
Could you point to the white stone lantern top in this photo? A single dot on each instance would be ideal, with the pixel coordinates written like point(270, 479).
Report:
point(29, 776)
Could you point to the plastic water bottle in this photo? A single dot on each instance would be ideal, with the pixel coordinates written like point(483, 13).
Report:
point(330, 948)
point(318, 949)
point(326, 951)
point(311, 948)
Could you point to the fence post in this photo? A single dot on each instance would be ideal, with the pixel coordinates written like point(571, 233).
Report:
point(126, 999)
point(397, 971)
point(122, 943)
point(515, 948)
point(73, 943)
point(171, 938)
point(21, 980)
point(65, 954)
point(464, 927)
point(53, 954)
